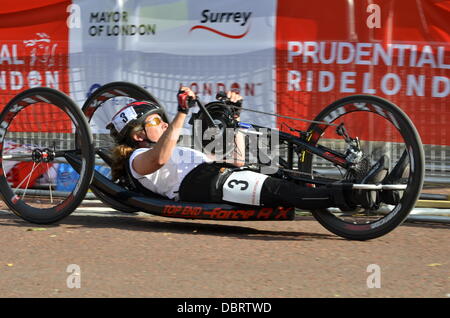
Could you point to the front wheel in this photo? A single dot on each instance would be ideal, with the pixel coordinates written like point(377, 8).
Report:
point(40, 128)
point(381, 129)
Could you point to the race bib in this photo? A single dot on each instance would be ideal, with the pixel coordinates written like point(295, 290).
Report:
point(121, 119)
point(243, 187)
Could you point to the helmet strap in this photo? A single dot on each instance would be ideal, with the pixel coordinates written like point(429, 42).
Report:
point(145, 140)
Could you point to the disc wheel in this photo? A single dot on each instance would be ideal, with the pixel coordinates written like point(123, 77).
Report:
point(42, 129)
point(219, 140)
point(99, 108)
point(383, 129)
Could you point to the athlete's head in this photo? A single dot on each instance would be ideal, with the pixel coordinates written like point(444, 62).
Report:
point(138, 121)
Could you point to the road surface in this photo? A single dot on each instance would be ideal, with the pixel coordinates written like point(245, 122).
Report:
point(96, 252)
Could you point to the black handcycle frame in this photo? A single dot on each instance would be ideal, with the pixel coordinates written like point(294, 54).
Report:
point(127, 198)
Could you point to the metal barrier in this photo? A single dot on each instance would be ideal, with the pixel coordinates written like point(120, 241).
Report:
point(437, 158)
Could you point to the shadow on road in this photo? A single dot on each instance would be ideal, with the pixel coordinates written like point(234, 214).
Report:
point(431, 225)
point(159, 224)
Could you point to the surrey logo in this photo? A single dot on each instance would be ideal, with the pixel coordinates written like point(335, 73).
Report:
point(237, 18)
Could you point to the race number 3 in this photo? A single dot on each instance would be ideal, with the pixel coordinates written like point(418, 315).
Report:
point(122, 118)
point(234, 182)
point(243, 187)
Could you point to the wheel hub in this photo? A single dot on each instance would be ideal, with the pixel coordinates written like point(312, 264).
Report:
point(42, 155)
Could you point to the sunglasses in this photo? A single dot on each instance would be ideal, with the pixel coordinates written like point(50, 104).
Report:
point(155, 121)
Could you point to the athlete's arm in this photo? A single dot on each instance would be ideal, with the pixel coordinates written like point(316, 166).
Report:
point(156, 157)
point(238, 158)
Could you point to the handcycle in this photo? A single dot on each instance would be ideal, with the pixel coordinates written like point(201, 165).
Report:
point(46, 129)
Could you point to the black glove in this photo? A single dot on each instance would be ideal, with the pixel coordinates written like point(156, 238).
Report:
point(185, 102)
point(222, 96)
point(237, 106)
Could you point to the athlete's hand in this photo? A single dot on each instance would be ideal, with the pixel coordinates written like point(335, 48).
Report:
point(235, 100)
point(231, 98)
point(186, 99)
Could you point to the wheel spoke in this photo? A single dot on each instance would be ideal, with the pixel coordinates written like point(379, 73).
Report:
point(26, 178)
point(49, 183)
point(29, 178)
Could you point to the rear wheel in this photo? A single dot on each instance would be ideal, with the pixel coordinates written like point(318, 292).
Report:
point(41, 129)
point(99, 108)
point(383, 129)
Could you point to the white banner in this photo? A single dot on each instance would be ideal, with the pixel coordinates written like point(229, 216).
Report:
point(210, 46)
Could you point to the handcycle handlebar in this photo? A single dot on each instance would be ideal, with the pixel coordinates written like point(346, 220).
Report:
point(208, 115)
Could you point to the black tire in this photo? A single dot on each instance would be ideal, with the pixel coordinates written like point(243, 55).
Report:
point(368, 224)
point(94, 103)
point(41, 121)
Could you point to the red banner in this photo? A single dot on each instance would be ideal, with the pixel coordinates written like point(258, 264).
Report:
point(399, 50)
point(34, 52)
point(33, 46)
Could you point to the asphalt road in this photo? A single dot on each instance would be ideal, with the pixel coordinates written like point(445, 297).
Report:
point(107, 254)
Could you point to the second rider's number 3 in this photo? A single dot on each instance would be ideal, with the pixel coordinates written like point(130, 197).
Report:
point(244, 184)
point(124, 117)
